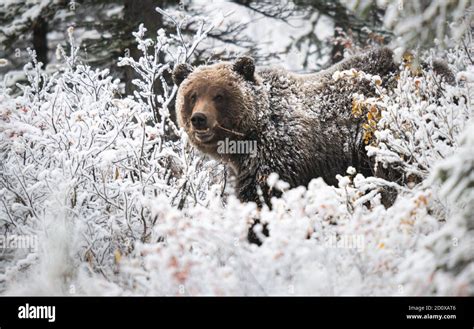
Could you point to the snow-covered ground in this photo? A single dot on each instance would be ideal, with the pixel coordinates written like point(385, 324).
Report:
point(106, 204)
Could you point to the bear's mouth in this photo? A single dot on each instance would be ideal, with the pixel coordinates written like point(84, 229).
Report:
point(204, 136)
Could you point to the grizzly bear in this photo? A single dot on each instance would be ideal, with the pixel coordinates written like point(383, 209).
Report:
point(301, 125)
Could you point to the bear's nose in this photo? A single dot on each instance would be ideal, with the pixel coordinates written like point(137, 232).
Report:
point(199, 121)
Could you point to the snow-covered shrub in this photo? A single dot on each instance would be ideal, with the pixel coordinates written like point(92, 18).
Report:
point(419, 122)
point(121, 205)
point(420, 23)
point(78, 159)
point(444, 261)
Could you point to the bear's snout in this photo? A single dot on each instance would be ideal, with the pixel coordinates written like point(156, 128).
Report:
point(199, 121)
point(204, 114)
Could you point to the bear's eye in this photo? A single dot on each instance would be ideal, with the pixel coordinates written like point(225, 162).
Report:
point(218, 98)
point(193, 98)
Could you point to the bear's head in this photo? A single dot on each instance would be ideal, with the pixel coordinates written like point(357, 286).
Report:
point(216, 102)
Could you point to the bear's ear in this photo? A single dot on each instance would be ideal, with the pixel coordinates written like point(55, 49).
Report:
point(245, 66)
point(181, 72)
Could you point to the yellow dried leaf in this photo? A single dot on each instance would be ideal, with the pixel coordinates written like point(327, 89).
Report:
point(117, 256)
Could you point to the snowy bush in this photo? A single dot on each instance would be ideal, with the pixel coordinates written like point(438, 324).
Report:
point(417, 23)
point(420, 122)
point(444, 261)
point(122, 205)
point(78, 159)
